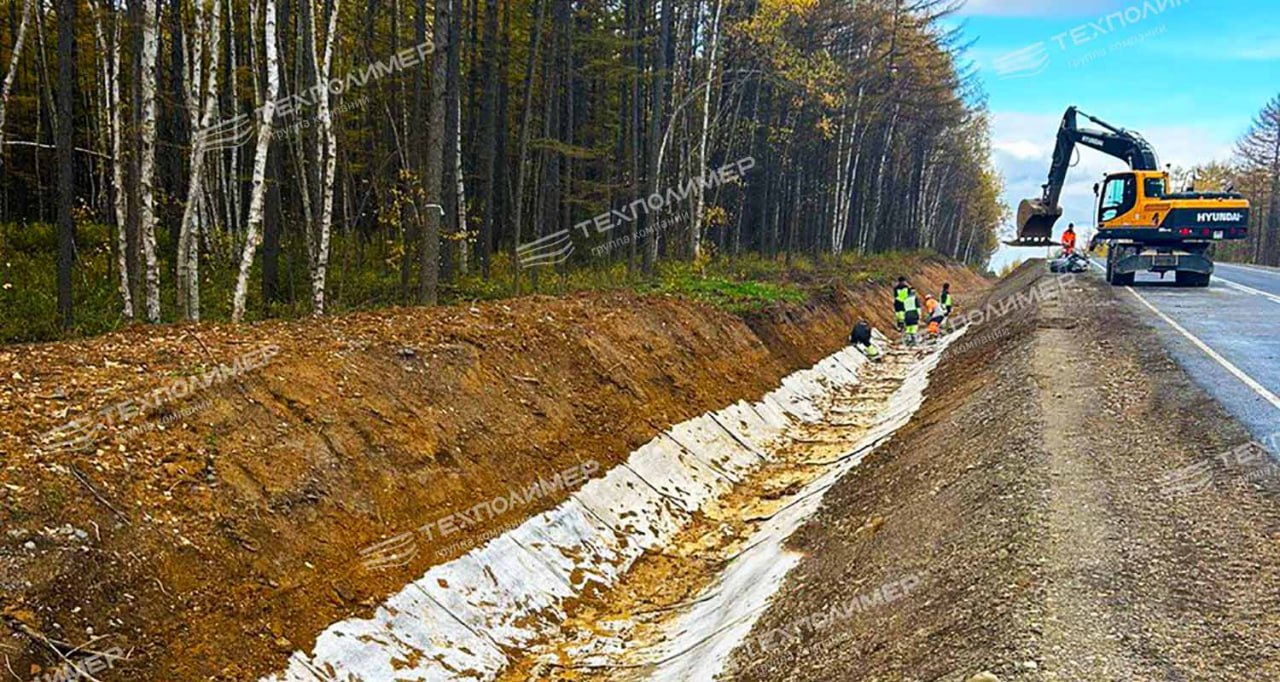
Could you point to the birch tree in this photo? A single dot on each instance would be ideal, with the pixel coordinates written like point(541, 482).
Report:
point(327, 156)
point(253, 228)
point(699, 197)
point(147, 159)
point(112, 122)
point(14, 59)
point(204, 40)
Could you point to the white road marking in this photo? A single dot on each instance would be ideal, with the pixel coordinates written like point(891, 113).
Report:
point(1226, 364)
point(1256, 268)
point(1248, 290)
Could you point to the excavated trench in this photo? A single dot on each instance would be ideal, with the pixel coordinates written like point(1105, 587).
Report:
point(229, 535)
point(655, 570)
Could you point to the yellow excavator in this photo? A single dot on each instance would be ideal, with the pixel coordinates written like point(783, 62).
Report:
point(1145, 226)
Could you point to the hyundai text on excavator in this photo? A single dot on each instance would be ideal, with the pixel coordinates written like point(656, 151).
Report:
point(1144, 225)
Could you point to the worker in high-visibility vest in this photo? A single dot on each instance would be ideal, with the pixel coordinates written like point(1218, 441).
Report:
point(900, 298)
point(910, 317)
point(861, 339)
point(933, 315)
point(1069, 239)
point(947, 300)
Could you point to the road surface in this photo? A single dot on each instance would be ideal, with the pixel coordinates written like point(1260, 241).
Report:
point(1227, 338)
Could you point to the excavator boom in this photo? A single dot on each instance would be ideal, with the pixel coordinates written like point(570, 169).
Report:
point(1037, 216)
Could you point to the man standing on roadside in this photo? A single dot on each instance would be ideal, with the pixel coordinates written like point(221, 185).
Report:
point(899, 301)
point(947, 300)
point(910, 316)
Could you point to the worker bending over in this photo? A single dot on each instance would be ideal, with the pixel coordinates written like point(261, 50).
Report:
point(861, 339)
point(934, 314)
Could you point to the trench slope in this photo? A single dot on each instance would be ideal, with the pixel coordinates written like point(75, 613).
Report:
point(213, 535)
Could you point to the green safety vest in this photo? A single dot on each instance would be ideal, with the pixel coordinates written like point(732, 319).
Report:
point(946, 300)
point(909, 303)
point(901, 294)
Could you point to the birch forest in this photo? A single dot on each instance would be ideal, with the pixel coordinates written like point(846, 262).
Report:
point(169, 160)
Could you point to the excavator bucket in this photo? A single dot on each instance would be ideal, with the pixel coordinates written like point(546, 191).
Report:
point(1035, 223)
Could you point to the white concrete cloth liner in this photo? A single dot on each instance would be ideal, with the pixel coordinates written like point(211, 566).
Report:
point(459, 619)
point(697, 643)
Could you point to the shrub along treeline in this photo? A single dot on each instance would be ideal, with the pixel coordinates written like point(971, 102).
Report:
point(241, 159)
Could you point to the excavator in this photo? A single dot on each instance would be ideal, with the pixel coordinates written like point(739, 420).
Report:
point(1144, 226)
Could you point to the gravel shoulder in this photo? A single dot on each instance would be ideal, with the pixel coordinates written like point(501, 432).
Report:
point(1067, 505)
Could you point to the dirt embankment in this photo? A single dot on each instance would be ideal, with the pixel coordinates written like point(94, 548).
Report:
point(1067, 505)
point(220, 519)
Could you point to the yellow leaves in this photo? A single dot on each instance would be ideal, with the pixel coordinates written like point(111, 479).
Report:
point(716, 216)
point(825, 127)
point(788, 8)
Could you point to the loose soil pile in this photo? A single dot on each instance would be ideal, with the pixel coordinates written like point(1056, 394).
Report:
point(237, 481)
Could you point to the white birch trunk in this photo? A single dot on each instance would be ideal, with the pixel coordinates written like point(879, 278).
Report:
point(253, 230)
point(13, 63)
point(146, 171)
point(464, 248)
point(117, 169)
point(699, 201)
point(111, 125)
point(838, 188)
point(327, 144)
point(188, 235)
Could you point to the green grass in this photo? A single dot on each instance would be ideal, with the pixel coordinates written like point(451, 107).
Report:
point(734, 295)
point(366, 275)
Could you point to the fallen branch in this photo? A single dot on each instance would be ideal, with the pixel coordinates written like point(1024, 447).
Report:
point(82, 150)
point(85, 482)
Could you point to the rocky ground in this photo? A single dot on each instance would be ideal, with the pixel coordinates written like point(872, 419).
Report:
point(1067, 505)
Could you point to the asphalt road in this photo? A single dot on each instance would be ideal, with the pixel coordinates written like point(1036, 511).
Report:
point(1226, 336)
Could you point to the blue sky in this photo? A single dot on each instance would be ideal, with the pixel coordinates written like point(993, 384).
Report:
point(1188, 74)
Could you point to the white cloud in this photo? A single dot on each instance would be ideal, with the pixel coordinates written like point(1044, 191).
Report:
point(1037, 8)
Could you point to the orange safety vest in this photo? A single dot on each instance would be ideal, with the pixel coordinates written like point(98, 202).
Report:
point(1069, 241)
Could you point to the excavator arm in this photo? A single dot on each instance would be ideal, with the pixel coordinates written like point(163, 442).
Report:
point(1037, 216)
